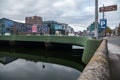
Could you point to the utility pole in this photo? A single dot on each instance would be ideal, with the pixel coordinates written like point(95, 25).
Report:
point(103, 12)
point(96, 19)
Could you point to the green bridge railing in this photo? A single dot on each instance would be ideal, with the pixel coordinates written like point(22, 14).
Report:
point(57, 39)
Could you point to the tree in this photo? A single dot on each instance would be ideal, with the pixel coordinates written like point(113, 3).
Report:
point(108, 30)
point(119, 29)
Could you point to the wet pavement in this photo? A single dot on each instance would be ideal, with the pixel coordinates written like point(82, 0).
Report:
point(114, 56)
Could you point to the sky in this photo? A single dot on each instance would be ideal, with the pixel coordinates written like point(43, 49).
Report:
point(79, 14)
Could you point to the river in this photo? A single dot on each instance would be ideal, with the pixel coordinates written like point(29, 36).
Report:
point(34, 62)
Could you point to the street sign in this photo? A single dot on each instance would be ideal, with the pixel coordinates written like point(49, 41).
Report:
point(108, 8)
point(103, 23)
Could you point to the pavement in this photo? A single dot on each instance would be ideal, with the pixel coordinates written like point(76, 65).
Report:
point(114, 56)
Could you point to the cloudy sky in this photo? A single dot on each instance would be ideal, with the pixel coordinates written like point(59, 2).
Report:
point(77, 13)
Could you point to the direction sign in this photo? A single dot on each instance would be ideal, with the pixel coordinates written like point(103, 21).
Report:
point(108, 8)
point(103, 23)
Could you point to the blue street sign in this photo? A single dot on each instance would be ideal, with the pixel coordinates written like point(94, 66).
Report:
point(103, 23)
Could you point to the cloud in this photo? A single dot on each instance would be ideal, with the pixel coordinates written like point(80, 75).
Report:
point(80, 12)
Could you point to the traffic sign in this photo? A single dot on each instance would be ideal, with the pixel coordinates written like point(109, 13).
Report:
point(103, 23)
point(108, 8)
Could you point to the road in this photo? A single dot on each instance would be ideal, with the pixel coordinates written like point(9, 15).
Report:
point(114, 40)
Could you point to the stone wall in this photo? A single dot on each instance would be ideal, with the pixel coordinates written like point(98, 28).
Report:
point(98, 66)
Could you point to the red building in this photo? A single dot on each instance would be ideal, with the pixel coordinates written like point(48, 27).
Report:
point(34, 20)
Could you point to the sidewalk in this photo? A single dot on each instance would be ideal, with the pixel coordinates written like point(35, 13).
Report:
point(114, 51)
point(114, 60)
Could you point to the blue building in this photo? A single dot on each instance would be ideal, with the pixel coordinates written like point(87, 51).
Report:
point(53, 26)
point(6, 26)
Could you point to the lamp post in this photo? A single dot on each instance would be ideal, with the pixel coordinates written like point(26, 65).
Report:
point(96, 19)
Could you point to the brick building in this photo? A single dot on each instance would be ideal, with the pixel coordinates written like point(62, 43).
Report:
point(34, 20)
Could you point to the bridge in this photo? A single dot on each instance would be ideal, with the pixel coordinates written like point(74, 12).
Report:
point(90, 45)
point(94, 54)
point(47, 39)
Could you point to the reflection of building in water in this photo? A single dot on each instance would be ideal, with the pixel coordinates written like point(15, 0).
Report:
point(6, 59)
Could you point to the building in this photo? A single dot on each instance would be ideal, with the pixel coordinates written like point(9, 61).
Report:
point(10, 27)
point(91, 29)
point(65, 28)
point(6, 26)
point(34, 20)
point(116, 31)
point(33, 25)
point(22, 28)
point(70, 30)
point(55, 27)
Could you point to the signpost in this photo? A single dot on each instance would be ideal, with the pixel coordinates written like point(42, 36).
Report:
point(108, 8)
point(103, 22)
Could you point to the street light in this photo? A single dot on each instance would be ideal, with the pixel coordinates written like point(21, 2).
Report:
point(96, 19)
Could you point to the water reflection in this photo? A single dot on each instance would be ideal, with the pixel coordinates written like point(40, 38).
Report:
point(22, 69)
point(30, 67)
point(6, 59)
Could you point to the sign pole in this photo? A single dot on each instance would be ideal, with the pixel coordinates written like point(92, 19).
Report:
point(103, 12)
point(103, 18)
point(103, 22)
point(96, 19)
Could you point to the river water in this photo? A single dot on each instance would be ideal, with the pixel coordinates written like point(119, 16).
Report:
point(25, 63)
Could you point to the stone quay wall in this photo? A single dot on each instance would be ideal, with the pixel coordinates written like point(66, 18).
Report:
point(98, 66)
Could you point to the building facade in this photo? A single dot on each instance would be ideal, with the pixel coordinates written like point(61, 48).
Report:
point(55, 27)
point(65, 28)
point(22, 28)
point(11, 27)
point(34, 20)
point(6, 26)
point(32, 25)
point(116, 31)
point(91, 29)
